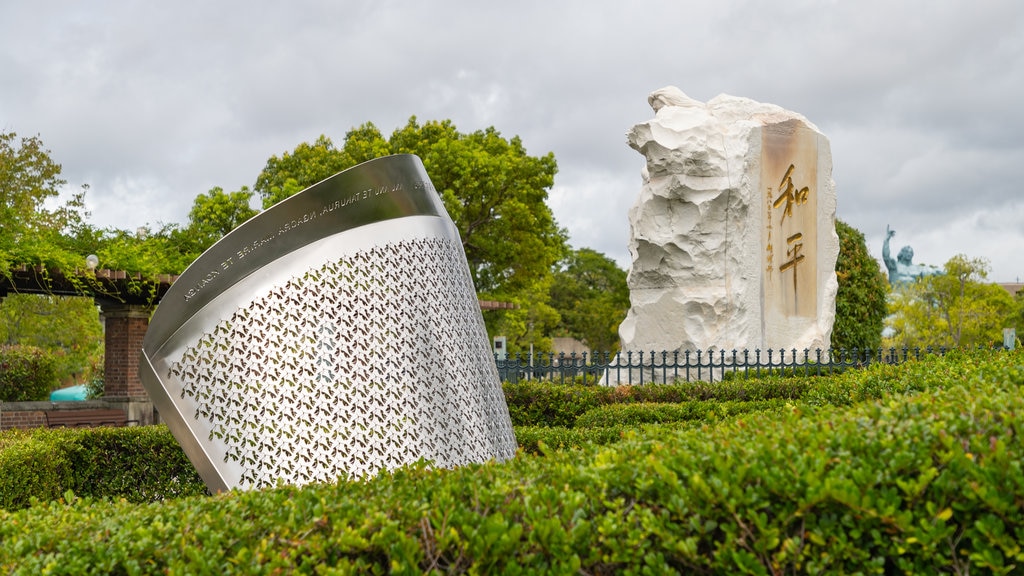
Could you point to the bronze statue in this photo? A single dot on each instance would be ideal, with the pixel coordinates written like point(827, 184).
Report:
point(902, 270)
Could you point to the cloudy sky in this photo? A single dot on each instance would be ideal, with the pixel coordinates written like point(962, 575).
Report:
point(154, 103)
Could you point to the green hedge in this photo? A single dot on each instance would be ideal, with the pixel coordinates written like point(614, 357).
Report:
point(661, 413)
point(543, 439)
point(929, 372)
point(27, 374)
point(30, 469)
point(137, 464)
point(613, 422)
point(149, 465)
point(908, 484)
point(539, 403)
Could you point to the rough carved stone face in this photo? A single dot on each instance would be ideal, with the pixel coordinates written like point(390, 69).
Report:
point(732, 234)
point(906, 255)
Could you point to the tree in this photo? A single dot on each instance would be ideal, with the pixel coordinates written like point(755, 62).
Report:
point(954, 309)
point(590, 293)
point(295, 171)
point(1017, 319)
point(912, 323)
point(495, 193)
point(861, 298)
point(217, 212)
point(66, 327)
point(31, 232)
point(36, 229)
point(170, 248)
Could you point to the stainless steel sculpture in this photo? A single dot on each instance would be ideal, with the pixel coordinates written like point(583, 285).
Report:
point(336, 333)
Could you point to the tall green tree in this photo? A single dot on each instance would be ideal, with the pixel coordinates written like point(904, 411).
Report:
point(68, 328)
point(495, 192)
point(217, 212)
point(590, 293)
point(861, 298)
point(308, 164)
point(32, 230)
point(169, 248)
point(36, 228)
point(1017, 319)
point(958, 308)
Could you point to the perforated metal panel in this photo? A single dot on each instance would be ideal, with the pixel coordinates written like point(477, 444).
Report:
point(358, 347)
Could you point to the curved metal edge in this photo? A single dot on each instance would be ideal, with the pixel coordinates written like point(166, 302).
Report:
point(377, 190)
point(204, 452)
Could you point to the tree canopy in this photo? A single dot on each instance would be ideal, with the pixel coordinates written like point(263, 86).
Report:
point(590, 292)
point(217, 212)
point(1017, 319)
point(67, 328)
point(955, 309)
point(30, 231)
point(495, 192)
point(861, 299)
point(34, 233)
point(292, 172)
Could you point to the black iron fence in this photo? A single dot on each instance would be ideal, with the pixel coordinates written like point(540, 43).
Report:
point(647, 367)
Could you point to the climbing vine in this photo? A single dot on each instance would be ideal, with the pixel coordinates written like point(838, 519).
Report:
point(44, 248)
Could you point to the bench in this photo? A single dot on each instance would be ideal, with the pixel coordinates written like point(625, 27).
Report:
point(86, 418)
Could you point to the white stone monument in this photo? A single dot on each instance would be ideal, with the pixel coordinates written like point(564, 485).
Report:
point(733, 235)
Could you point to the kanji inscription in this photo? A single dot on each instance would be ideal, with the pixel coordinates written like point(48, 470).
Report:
point(789, 177)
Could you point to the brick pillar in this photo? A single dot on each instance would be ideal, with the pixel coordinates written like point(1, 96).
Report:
point(124, 328)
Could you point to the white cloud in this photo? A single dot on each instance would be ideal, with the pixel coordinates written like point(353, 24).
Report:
point(154, 104)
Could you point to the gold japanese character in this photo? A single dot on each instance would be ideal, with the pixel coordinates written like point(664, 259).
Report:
point(790, 194)
point(795, 257)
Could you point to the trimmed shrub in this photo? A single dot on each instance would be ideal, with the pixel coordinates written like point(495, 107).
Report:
point(662, 413)
point(877, 380)
point(27, 374)
point(538, 403)
point(30, 470)
point(913, 484)
point(544, 439)
point(138, 464)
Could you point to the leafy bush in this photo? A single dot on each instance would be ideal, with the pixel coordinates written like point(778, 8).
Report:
point(766, 387)
point(544, 439)
point(537, 403)
point(27, 374)
point(30, 470)
point(912, 484)
point(861, 298)
point(661, 413)
point(138, 464)
point(879, 379)
point(95, 387)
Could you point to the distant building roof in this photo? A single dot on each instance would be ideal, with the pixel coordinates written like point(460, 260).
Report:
point(1012, 287)
point(494, 305)
point(568, 346)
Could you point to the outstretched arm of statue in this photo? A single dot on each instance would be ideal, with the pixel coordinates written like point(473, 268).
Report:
point(889, 262)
